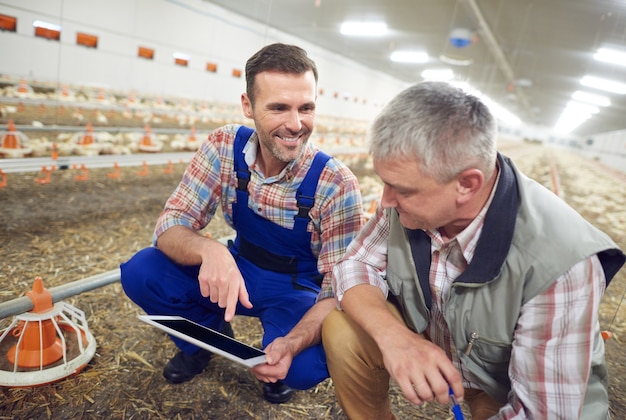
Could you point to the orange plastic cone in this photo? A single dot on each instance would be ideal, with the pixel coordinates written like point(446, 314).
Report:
point(39, 344)
point(87, 138)
point(47, 175)
point(145, 171)
point(170, 168)
point(116, 172)
point(147, 137)
point(23, 87)
point(83, 173)
point(9, 141)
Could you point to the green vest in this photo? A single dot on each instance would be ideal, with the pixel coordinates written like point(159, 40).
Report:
point(530, 238)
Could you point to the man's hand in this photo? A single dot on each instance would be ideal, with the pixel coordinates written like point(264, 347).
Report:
point(421, 369)
point(219, 277)
point(221, 281)
point(279, 355)
point(306, 333)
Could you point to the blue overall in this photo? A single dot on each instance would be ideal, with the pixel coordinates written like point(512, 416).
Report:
point(282, 283)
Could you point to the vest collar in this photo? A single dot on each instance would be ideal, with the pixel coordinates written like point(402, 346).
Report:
point(497, 233)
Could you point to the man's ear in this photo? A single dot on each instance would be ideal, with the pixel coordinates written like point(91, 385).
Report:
point(246, 105)
point(469, 182)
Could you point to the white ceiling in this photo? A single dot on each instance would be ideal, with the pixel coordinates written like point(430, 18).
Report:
point(528, 56)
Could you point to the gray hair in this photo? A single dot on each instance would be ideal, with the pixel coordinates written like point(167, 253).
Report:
point(446, 129)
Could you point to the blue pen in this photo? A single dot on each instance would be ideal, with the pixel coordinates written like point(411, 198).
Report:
point(456, 408)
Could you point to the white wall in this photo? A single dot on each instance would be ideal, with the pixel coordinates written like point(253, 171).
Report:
point(204, 31)
point(608, 148)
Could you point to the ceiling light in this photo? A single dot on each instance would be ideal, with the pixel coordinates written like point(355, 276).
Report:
point(499, 112)
point(574, 114)
point(569, 121)
point(591, 98)
point(438, 74)
point(364, 28)
point(611, 56)
point(456, 60)
point(523, 83)
point(603, 84)
point(409, 57)
point(582, 108)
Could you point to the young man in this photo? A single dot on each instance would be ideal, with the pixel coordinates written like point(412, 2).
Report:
point(471, 277)
point(294, 210)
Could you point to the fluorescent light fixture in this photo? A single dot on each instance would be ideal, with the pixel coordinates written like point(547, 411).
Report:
point(574, 114)
point(499, 112)
point(456, 60)
point(570, 119)
point(438, 74)
point(582, 108)
point(409, 57)
point(364, 28)
point(46, 25)
point(591, 98)
point(603, 84)
point(611, 56)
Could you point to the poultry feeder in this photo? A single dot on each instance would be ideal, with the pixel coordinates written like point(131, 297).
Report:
point(13, 143)
point(49, 343)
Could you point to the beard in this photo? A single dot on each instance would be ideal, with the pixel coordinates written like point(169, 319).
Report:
point(284, 151)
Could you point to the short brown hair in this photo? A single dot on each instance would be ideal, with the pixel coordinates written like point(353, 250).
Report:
point(281, 58)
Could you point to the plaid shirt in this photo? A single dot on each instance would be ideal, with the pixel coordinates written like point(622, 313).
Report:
point(209, 181)
point(551, 355)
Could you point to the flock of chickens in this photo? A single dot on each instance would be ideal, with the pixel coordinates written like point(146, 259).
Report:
point(87, 121)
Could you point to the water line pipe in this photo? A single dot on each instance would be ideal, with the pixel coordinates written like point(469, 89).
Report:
point(25, 304)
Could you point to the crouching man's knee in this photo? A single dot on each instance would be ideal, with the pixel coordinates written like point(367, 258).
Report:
point(356, 368)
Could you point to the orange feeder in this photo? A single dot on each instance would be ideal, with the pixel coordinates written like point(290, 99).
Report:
point(117, 172)
point(148, 142)
point(10, 138)
point(170, 168)
point(13, 143)
point(39, 354)
point(87, 138)
point(39, 343)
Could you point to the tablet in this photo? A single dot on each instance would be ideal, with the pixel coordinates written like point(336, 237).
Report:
point(207, 338)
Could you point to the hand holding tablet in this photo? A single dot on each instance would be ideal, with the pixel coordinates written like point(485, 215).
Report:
point(207, 338)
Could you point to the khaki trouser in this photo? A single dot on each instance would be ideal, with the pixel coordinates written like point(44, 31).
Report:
point(360, 378)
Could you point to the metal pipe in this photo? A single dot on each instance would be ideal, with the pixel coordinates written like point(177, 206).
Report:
point(16, 165)
point(58, 293)
point(496, 51)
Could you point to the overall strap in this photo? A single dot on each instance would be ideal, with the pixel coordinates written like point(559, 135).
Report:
point(305, 195)
point(240, 165)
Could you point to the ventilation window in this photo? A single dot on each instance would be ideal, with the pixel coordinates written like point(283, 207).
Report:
point(8, 23)
point(236, 73)
point(147, 53)
point(211, 67)
point(181, 59)
point(47, 30)
point(90, 41)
